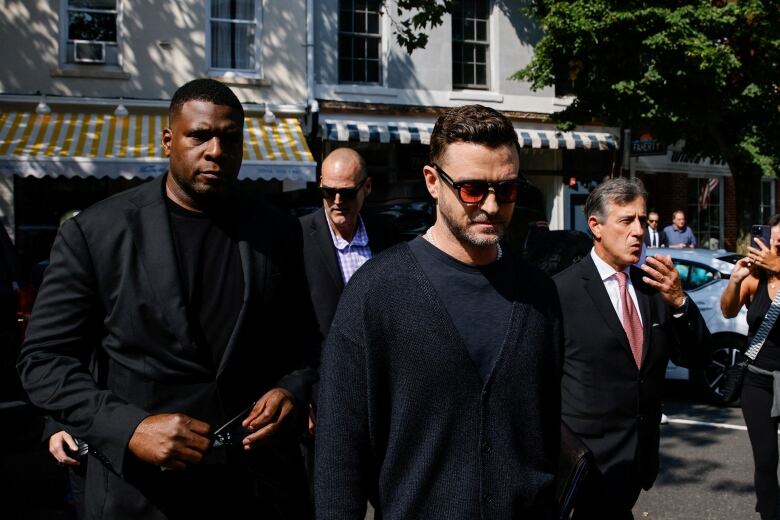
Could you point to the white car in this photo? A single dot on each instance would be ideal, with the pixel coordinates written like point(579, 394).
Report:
point(705, 274)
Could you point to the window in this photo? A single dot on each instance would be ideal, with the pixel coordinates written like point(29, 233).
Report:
point(694, 276)
point(703, 214)
point(360, 41)
point(234, 36)
point(470, 44)
point(92, 32)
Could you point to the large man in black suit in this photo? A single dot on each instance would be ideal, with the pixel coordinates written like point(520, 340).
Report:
point(196, 299)
point(621, 326)
point(336, 241)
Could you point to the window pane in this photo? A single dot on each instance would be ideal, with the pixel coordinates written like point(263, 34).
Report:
point(481, 31)
point(372, 48)
point(345, 21)
point(372, 73)
point(360, 23)
point(373, 5)
point(482, 9)
point(457, 52)
point(699, 276)
point(480, 54)
point(373, 23)
point(233, 9)
point(232, 45)
point(358, 70)
point(345, 70)
point(457, 74)
point(457, 29)
point(481, 72)
point(468, 9)
point(358, 47)
point(468, 30)
point(345, 47)
point(92, 26)
point(468, 75)
point(93, 4)
point(360, 5)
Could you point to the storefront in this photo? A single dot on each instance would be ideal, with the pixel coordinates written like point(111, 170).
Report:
point(57, 161)
point(699, 186)
point(396, 148)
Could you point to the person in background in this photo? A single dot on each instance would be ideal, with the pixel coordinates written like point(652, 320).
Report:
point(621, 325)
point(336, 241)
point(754, 283)
point(440, 384)
point(654, 237)
point(677, 234)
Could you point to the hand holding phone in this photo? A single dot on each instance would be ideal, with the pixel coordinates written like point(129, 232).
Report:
point(762, 232)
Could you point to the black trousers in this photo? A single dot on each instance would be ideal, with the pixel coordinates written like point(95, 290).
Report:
point(606, 497)
point(762, 429)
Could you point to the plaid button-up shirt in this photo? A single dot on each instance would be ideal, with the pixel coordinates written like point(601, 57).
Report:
point(353, 254)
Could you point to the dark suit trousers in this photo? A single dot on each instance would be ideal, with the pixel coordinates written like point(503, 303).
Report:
point(606, 497)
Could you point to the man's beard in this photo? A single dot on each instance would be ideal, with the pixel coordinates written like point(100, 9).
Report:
point(464, 234)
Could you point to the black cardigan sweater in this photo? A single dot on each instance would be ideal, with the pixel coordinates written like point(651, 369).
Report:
point(405, 419)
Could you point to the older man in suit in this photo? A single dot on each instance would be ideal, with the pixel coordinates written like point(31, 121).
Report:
point(196, 298)
point(336, 241)
point(622, 324)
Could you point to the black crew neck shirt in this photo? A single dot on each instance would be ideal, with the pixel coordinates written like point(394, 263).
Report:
point(477, 298)
point(211, 275)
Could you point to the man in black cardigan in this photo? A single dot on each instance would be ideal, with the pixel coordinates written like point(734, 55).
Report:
point(440, 382)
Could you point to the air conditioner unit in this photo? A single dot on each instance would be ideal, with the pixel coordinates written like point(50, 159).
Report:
point(85, 51)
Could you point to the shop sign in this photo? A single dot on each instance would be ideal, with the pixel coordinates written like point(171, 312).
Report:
point(646, 144)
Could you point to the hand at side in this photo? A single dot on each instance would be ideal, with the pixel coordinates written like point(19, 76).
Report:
point(171, 441)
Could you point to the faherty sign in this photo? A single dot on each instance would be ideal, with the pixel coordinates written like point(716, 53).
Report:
point(646, 144)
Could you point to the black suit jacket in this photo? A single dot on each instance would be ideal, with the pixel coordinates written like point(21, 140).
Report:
point(323, 271)
point(613, 406)
point(662, 242)
point(113, 285)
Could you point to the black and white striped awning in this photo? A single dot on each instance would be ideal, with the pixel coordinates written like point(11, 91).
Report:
point(406, 132)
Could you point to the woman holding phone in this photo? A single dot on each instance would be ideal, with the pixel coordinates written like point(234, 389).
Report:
point(754, 282)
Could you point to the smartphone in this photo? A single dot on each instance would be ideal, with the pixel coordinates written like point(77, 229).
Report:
point(762, 232)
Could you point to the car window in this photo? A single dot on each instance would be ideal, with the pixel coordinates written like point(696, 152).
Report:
point(695, 276)
point(682, 270)
point(699, 276)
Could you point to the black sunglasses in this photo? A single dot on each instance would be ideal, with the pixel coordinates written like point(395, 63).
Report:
point(475, 191)
point(346, 193)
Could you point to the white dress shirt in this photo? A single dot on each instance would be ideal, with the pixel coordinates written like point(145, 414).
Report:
point(655, 238)
point(607, 274)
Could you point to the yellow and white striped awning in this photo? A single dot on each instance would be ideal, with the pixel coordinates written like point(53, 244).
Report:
point(83, 144)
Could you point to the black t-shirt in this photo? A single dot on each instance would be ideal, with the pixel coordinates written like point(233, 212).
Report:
point(477, 298)
point(211, 275)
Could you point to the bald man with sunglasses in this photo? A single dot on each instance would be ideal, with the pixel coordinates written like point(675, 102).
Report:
point(335, 239)
point(440, 379)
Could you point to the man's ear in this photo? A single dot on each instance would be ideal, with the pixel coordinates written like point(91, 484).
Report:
point(167, 137)
point(431, 181)
point(595, 227)
point(368, 186)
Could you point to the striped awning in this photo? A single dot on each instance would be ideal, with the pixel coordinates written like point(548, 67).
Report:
point(83, 144)
point(405, 132)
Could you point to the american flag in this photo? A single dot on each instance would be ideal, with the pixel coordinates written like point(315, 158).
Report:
point(706, 190)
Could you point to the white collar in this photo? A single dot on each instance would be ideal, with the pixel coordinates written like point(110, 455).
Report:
point(605, 270)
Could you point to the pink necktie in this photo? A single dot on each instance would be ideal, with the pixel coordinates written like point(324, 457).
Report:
point(631, 323)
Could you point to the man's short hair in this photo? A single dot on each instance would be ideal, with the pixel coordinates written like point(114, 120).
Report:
point(675, 212)
point(774, 220)
point(471, 124)
point(618, 191)
point(205, 89)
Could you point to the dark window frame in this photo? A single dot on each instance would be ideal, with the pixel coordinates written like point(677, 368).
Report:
point(360, 42)
point(471, 44)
